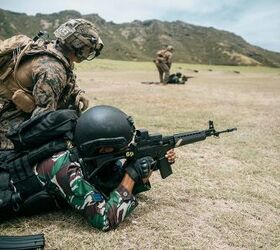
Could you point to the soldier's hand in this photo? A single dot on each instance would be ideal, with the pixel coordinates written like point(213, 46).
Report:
point(81, 102)
point(171, 156)
point(140, 169)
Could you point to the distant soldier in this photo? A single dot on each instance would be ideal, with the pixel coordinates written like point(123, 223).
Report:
point(178, 78)
point(38, 76)
point(163, 63)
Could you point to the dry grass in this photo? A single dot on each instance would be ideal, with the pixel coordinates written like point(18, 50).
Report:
point(224, 194)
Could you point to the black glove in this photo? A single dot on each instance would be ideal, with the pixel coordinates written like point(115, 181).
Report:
point(140, 168)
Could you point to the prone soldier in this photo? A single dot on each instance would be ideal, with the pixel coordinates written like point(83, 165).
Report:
point(105, 164)
point(178, 78)
point(104, 194)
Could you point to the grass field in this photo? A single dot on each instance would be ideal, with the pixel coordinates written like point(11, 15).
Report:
point(224, 193)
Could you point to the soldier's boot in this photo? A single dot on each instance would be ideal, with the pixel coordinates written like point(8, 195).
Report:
point(161, 78)
point(165, 80)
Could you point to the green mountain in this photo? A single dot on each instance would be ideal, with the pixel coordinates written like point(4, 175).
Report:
point(139, 40)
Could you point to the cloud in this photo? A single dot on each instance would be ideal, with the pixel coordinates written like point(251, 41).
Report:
point(259, 25)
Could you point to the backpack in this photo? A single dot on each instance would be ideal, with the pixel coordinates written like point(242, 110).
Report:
point(12, 46)
point(10, 49)
point(13, 49)
point(43, 128)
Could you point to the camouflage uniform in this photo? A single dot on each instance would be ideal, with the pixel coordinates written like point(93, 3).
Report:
point(64, 179)
point(177, 78)
point(51, 85)
point(163, 63)
point(38, 77)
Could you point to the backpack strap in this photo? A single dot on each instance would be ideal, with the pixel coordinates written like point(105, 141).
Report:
point(18, 59)
point(14, 48)
point(40, 46)
point(48, 48)
point(20, 189)
point(21, 167)
point(8, 71)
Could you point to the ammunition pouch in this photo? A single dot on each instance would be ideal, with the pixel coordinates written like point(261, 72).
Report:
point(20, 190)
point(5, 192)
point(23, 101)
point(9, 199)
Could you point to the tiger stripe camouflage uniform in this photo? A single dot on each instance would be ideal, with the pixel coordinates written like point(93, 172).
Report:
point(66, 180)
point(52, 88)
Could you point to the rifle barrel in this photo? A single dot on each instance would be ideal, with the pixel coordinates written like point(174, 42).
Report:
point(225, 131)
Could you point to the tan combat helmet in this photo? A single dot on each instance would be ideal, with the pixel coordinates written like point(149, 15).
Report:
point(80, 36)
point(170, 48)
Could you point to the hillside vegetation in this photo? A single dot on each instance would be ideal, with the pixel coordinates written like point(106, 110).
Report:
point(139, 40)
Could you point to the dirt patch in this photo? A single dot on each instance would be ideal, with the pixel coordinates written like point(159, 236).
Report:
point(224, 194)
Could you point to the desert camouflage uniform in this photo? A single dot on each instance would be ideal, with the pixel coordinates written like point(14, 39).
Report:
point(163, 63)
point(64, 178)
point(51, 85)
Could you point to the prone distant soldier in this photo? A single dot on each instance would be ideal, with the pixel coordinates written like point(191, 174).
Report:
point(178, 78)
point(37, 75)
point(163, 63)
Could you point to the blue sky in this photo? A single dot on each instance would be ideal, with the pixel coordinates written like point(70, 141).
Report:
point(257, 21)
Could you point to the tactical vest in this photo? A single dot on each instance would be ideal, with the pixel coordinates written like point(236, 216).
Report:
point(35, 140)
point(9, 82)
point(21, 192)
point(161, 54)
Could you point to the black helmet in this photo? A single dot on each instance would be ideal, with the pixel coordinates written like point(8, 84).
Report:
point(179, 74)
point(102, 126)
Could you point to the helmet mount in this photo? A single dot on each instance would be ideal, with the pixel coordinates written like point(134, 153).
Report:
point(81, 37)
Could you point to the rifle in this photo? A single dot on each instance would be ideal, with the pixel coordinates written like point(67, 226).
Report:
point(156, 146)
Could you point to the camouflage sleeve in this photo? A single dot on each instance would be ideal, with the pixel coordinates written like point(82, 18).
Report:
point(49, 77)
point(77, 90)
point(169, 59)
point(104, 214)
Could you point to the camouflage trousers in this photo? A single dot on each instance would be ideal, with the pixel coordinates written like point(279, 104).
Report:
point(9, 118)
point(163, 71)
